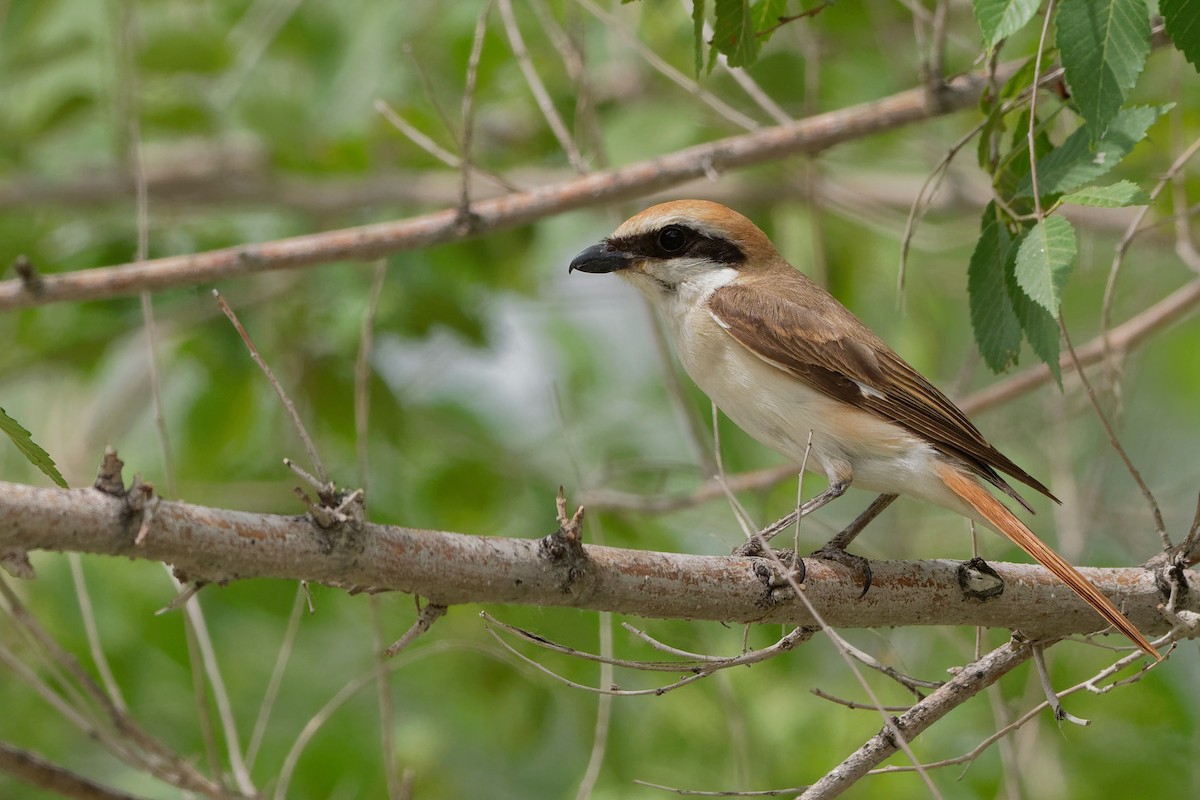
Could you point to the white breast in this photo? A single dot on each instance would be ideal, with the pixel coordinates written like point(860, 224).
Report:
point(780, 410)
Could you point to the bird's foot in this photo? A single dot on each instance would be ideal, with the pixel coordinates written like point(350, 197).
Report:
point(857, 564)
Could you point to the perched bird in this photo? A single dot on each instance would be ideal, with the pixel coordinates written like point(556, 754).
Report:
point(786, 361)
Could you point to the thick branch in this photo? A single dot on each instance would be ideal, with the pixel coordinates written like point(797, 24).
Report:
point(806, 136)
point(215, 545)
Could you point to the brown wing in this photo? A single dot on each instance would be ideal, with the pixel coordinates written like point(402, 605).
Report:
point(840, 357)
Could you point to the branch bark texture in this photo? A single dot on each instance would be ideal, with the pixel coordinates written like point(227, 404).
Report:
point(216, 545)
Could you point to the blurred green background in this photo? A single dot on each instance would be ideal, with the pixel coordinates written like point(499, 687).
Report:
point(496, 377)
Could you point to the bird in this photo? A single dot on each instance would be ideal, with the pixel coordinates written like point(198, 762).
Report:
point(799, 372)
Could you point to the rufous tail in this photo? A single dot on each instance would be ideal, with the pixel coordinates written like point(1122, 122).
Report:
point(1007, 523)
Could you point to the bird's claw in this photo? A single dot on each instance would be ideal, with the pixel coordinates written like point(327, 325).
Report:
point(857, 564)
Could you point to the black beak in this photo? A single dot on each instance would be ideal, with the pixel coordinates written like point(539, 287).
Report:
point(601, 257)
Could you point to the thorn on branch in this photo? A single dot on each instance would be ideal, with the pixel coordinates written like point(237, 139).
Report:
point(109, 479)
point(31, 281)
point(339, 518)
point(979, 581)
point(565, 545)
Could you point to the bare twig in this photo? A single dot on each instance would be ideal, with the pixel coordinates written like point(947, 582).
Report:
point(111, 728)
point(99, 658)
point(1135, 226)
point(806, 136)
point(723, 109)
point(362, 373)
point(1155, 512)
point(426, 616)
point(1031, 133)
point(434, 149)
point(468, 112)
point(241, 773)
point(348, 691)
point(286, 646)
point(853, 704)
point(278, 387)
point(39, 772)
point(540, 95)
point(383, 696)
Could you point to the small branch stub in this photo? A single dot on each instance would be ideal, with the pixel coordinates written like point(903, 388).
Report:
point(564, 547)
point(109, 479)
point(979, 581)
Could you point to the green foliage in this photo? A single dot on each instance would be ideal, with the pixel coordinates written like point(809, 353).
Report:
point(496, 377)
point(1117, 195)
point(1182, 20)
point(23, 439)
point(1044, 259)
point(1083, 158)
point(1103, 46)
point(733, 32)
point(992, 315)
point(999, 19)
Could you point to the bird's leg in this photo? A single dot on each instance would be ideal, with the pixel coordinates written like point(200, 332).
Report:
point(756, 545)
point(835, 548)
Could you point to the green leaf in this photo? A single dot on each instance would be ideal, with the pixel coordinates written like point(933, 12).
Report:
point(999, 19)
point(1103, 45)
point(993, 320)
point(30, 449)
point(766, 16)
point(733, 32)
point(1045, 256)
point(1079, 160)
point(1037, 324)
point(1121, 193)
point(1013, 169)
point(1039, 327)
point(698, 34)
point(1182, 19)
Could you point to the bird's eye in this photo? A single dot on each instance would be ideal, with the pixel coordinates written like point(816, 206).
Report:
point(672, 238)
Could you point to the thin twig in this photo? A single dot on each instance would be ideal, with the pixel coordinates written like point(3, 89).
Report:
point(87, 612)
point(652, 58)
point(854, 704)
point(426, 616)
point(114, 730)
point(362, 373)
point(1052, 699)
point(204, 715)
point(431, 147)
point(468, 110)
point(542, 97)
point(1031, 134)
point(1147, 495)
point(1132, 229)
point(278, 387)
point(318, 720)
point(805, 136)
point(286, 647)
point(383, 697)
point(241, 773)
point(39, 772)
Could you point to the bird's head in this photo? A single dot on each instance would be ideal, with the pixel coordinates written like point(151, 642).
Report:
point(678, 244)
